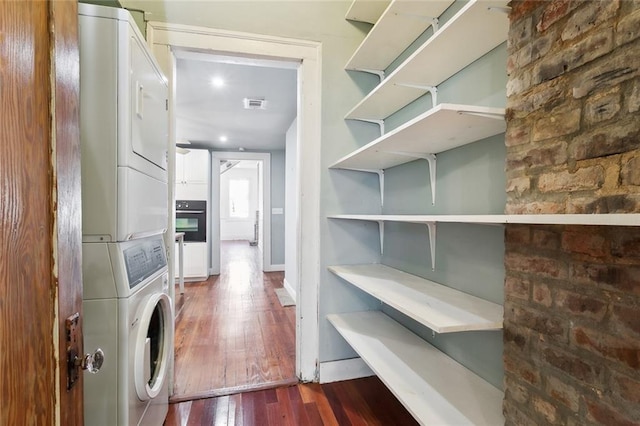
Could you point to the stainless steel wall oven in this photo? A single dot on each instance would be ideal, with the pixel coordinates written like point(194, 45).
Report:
point(191, 218)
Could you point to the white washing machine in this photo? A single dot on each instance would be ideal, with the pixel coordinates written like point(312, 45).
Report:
point(128, 314)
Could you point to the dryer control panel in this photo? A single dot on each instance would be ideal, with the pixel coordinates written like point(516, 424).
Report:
point(144, 259)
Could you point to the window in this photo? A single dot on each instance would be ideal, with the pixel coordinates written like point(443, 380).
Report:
point(239, 198)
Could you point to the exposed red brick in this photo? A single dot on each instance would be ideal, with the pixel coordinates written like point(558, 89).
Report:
point(628, 317)
point(588, 16)
point(556, 10)
point(622, 350)
point(563, 393)
point(586, 178)
point(517, 287)
point(606, 415)
point(546, 239)
point(572, 365)
point(625, 243)
point(522, 369)
point(520, 8)
point(537, 321)
point(517, 234)
point(630, 172)
point(581, 305)
point(535, 207)
point(512, 335)
point(628, 388)
point(618, 277)
point(546, 409)
point(542, 294)
point(543, 266)
point(585, 241)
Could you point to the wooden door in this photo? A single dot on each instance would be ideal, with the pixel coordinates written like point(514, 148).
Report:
point(40, 216)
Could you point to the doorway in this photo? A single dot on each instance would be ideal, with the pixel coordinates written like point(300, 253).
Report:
point(234, 323)
point(163, 37)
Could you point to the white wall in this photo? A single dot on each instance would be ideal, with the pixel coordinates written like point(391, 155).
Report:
point(235, 228)
point(291, 209)
point(277, 207)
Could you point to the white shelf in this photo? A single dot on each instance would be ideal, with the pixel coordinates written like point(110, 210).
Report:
point(439, 129)
point(613, 219)
point(472, 32)
point(400, 24)
point(366, 10)
point(441, 308)
point(434, 388)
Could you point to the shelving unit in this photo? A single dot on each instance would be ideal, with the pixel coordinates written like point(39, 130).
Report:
point(476, 29)
point(612, 219)
point(400, 24)
point(366, 11)
point(439, 129)
point(434, 388)
point(492, 219)
point(441, 308)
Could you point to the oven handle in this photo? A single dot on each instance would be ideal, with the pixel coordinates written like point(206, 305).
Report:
point(190, 211)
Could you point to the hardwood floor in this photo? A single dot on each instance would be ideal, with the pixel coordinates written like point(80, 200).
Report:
point(232, 334)
point(362, 402)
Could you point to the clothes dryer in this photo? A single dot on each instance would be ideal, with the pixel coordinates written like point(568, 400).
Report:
point(128, 314)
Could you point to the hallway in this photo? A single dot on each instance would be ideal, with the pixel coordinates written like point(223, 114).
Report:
point(232, 334)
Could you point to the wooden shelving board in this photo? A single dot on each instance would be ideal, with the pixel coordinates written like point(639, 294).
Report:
point(366, 10)
point(398, 26)
point(441, 308)
point(439, 129)
point(434, 388)
point(613, 219)
point(472, 32)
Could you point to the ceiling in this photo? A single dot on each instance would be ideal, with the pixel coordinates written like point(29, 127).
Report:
point(206, 112)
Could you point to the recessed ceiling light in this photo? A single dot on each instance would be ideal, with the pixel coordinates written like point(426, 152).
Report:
point(223, 138)
point(217, 82)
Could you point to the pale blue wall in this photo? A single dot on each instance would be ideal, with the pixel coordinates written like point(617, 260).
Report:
point(342, 191)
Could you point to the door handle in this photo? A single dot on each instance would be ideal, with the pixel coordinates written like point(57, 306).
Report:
point(90, 362)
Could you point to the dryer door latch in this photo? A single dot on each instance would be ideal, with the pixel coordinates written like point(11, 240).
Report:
point(90, 362)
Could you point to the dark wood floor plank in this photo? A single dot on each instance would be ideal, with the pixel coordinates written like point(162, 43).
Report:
point(231, 330)
point(313, 393)
point(363, 402)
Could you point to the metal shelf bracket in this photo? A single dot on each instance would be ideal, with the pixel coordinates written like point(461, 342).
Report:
point(379, 73)
point(431, 89)
point(380, 174)
point(381, 230)
point(431, 159)
point(431, 226)
point(380, 123)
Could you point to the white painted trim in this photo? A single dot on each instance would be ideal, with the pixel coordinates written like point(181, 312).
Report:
point(292, 291)
point(274, 268)
point(344, 369)
point(216, 156)
point(309, 55)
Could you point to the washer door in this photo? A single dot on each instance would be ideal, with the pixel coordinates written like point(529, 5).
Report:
point(153, 343)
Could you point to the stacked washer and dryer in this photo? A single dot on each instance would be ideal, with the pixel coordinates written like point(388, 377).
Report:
point(124, 141)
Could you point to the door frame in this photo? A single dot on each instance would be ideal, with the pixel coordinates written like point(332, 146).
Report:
point(214, 220)
point(162, 37)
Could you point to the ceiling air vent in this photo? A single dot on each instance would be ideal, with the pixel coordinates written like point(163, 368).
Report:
point(254, 103)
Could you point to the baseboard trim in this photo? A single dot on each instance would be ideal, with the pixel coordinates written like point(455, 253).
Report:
point(273, 268)
point(345, 369)
point(290, 290)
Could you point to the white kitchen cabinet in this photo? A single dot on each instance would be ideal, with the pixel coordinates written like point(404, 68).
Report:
point(192, 174)
point(195, 261)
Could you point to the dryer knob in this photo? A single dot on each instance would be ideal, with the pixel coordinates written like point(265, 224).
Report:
point(92, 362)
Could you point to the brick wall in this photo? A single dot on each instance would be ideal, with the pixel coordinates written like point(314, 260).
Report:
point(572, 293)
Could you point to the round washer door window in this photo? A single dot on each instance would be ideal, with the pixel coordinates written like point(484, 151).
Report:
point(153, 344)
